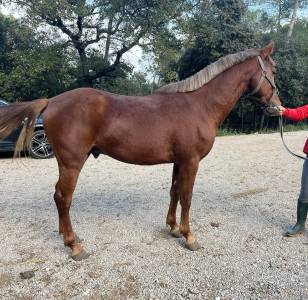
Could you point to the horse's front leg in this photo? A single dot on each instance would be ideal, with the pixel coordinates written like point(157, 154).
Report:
point(187, 175)
point(174, 198)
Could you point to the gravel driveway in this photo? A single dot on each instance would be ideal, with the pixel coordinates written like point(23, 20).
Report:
point(244, 198)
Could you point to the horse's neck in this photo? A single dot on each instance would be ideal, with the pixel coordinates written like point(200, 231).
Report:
point(219, 96)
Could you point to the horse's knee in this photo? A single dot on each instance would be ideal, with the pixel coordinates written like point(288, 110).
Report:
point(185, 203)
point(174, 192)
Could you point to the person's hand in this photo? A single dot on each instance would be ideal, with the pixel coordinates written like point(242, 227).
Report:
point(281, 109)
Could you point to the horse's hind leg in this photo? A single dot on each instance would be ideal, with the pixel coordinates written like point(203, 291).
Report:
point(174, 198)
point(63, 197)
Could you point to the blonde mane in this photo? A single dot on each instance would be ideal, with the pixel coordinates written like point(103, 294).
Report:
point(211, 71)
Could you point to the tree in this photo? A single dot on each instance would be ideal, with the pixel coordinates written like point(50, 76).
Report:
point(296, 5)
point(216, 30)
point(292, 60)
point(101, 31)
point(28, 67)
point(166, 50)
point(293, 18)
point(134, 84)
point(280, 11)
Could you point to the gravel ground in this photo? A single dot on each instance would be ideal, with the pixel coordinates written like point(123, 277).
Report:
point(247, 186)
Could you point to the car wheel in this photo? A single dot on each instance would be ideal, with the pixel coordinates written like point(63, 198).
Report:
point(40, 148)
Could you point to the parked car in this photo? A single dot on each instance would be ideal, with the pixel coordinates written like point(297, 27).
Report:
point(40, 148)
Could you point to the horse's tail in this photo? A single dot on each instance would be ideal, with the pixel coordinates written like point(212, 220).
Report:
point(21, 114)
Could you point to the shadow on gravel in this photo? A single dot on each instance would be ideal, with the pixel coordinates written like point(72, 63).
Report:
point(6, 155)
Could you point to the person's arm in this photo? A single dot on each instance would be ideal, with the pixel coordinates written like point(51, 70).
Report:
point(295, 114)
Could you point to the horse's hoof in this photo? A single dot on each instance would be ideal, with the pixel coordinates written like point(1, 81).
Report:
point(81, 255)
point(176, 233)
point(194, 246)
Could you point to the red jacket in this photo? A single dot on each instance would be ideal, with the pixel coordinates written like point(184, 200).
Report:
point(298, 114)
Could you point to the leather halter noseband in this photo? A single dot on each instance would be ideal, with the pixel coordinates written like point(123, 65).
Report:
point(271, 82)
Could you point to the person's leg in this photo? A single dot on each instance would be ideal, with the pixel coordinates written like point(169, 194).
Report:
point(302, 205)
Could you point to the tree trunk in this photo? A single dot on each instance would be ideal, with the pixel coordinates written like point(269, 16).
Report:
point(279, 16)
point(254, 118)
point(85, 80)
point(293, 18)
point(242, 118)
point(262, 122)
point(108, 40)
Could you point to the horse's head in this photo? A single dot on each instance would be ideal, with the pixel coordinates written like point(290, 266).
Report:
point(262, 84)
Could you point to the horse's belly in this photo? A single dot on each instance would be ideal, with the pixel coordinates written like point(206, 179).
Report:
point(142, 153)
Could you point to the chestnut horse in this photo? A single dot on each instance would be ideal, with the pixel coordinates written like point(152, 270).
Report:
point(176, 124)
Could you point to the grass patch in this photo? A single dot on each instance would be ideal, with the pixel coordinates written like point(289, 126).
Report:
point(286, 128)
point(291, 127)
point(226, 131)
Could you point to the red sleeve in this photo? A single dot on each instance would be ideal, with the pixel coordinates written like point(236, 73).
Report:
point(296, 114)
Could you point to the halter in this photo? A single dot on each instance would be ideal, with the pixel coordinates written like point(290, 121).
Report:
point(271, 81)
point(270, 106)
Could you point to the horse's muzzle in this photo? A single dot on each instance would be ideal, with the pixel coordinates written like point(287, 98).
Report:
point(271, 111)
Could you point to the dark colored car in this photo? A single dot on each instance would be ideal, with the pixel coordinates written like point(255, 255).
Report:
point(40, 148)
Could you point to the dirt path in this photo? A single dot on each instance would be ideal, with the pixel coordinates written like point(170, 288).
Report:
point(248, 185)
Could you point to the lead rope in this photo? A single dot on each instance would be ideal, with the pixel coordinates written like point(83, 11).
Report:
point(283, 142)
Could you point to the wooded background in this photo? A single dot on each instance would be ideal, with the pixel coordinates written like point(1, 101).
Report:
point(59, 45)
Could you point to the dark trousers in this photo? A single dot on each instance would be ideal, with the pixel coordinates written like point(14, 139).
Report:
point(303, 196)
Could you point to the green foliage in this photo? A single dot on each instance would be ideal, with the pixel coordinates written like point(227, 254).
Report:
point(292, 71)
point(297, 127)
point(226, 132)
point(166, 58)
point(136, 84)
point(218, 30)
point(99, 30)
point(292, 64)
point(28, 68)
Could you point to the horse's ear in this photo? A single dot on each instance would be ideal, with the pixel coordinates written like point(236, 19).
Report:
point(267, 50)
